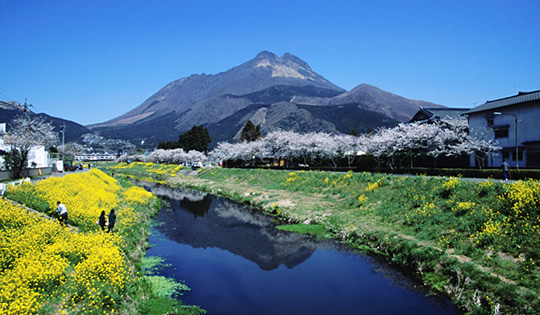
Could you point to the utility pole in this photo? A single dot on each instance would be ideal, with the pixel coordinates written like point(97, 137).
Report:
point(517, 121)
point(63, 131)
point(26, 106)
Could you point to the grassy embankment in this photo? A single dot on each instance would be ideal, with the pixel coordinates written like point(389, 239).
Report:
point(46, 268)
point(476, 241)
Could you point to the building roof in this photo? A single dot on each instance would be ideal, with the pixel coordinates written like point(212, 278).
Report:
point(521, 97)
point(436, 113)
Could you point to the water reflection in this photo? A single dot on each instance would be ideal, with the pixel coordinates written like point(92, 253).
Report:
point(236, 262)
point(230, 226)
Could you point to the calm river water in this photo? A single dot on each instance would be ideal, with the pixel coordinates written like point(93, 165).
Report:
point(236, 262)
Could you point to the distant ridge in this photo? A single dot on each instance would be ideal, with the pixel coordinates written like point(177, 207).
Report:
point(373, 98)
point(10, 109)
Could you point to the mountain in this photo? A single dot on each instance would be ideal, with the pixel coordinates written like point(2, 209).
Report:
point(194, 97)
point(9, 110)
point(274, 92)
point(374, 99)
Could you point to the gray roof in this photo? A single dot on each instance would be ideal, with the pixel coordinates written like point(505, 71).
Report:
point(436, 113)
point(447, 112)
point(521, 97)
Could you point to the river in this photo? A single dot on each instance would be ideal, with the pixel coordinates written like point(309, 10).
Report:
point(236, 262)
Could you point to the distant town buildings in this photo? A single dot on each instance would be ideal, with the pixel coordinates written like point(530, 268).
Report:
point(95, 157)
point(513, 122)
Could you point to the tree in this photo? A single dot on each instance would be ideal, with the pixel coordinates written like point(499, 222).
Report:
point(167, 145)
point(197, 138)
point(24, 134)
point(250, 132)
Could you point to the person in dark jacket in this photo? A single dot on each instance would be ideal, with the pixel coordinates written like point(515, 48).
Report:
point(112, 221)
point(102, 220)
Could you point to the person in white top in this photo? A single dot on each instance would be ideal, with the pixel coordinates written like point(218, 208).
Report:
point(62, 211)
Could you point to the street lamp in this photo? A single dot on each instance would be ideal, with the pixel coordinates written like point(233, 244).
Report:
point(515, 116)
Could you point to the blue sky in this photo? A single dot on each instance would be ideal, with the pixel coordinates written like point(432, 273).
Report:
point(90, 61)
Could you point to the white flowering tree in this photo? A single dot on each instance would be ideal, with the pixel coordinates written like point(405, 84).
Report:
point(444, 138)
point(25, 133)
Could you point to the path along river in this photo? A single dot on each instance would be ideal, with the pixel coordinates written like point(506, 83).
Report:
point(236, 262)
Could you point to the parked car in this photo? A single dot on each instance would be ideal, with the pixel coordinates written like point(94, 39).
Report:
point(196, 165)
point(69, 167)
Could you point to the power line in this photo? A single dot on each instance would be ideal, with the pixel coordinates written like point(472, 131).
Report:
point(7, 94)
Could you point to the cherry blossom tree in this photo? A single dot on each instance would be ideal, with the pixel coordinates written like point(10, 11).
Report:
point(25, 133)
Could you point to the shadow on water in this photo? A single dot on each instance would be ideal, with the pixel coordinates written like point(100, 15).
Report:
point(237, 262)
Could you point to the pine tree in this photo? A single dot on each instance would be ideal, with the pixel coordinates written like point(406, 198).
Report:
point(250, 132)
point(197, 138)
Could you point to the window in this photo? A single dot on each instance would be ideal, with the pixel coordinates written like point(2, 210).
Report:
point(490, 122)
point(501, 132)
point(520, 155)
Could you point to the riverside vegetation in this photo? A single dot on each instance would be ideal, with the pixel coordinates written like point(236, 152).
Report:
point(46, 268)
point(475, 241)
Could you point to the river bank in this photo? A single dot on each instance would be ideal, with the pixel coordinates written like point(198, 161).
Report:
point(476, 242)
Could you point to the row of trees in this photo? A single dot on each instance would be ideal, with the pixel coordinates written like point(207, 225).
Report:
point(172, 156)
point(450, 138)
point(442, 138)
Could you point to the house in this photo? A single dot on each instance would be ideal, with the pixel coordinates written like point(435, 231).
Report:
point(513, 123)
point(426, 115)
point(38, 157)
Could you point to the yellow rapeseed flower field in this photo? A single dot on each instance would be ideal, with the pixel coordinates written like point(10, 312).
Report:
point(43, 264)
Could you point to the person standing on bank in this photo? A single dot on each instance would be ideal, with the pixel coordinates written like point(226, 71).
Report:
point(62, 211)
point(112, 221)
point(506, 169)
point(102, 220)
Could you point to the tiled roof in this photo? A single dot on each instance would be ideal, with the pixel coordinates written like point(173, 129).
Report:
point(431, 114)
point(521, 97)
point(447, 112)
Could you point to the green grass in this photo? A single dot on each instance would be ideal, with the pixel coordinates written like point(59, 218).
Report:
point(316, 230)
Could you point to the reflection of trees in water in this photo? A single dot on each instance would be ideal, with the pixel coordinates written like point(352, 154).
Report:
point(171, 192)
point(198, 208)
point(233, 210)
point(195, 202)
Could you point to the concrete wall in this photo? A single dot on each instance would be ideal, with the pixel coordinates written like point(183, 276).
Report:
point(29, 172)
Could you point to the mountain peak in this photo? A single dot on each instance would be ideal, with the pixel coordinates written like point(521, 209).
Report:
point(286, 66)
point(289, 59)
point(265, 54)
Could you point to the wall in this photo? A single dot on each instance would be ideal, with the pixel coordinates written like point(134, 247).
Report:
point(29, 172)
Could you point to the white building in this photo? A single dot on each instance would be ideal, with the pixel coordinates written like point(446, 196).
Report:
point(513, 123)
point(38, 157)
point(95, 157)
